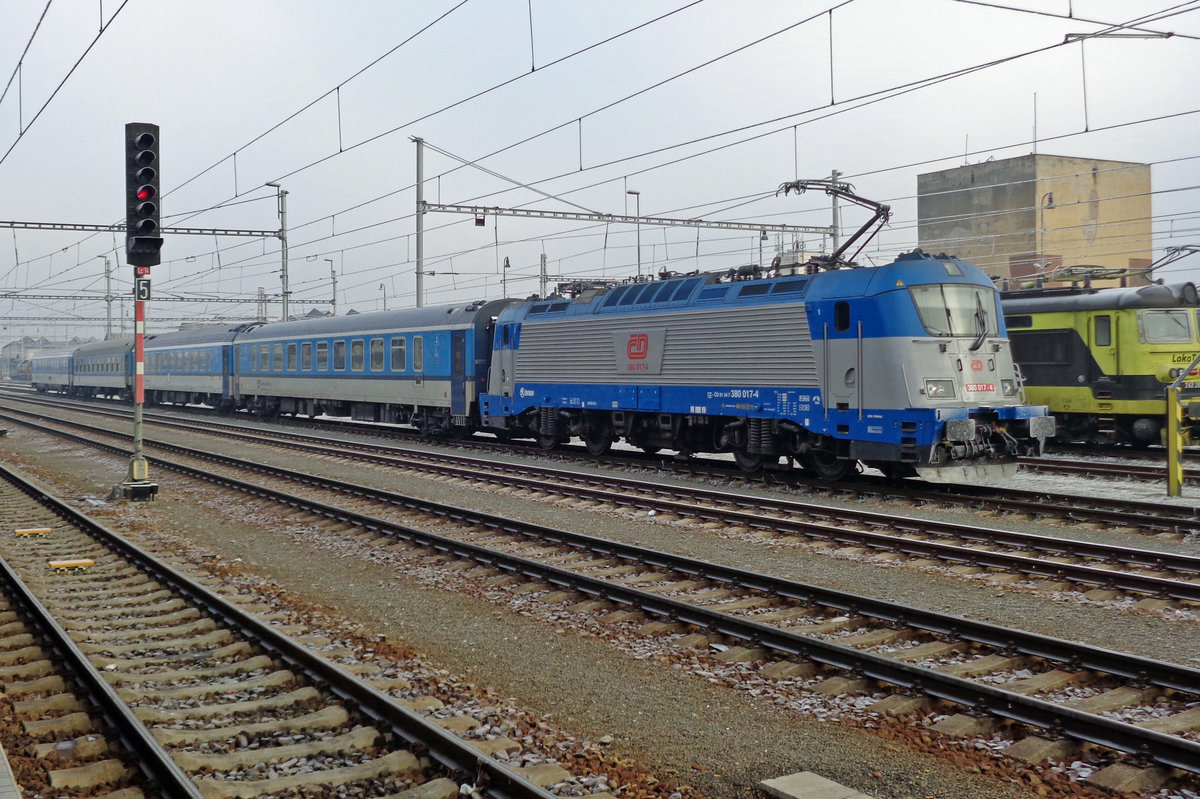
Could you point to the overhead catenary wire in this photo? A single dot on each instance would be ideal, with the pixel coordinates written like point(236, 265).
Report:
point(657, 166)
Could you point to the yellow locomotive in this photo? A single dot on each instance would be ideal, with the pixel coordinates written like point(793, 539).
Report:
point(1102, 358)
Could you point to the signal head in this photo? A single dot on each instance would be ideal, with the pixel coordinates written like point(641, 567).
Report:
point(142, 208)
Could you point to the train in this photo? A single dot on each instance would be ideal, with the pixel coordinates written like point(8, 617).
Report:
point(1101, 359)
point(903, 367)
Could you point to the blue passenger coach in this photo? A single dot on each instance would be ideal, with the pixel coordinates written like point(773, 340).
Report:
point(50, 370)
point(904, 366)
point(420, 366)
point(192, 366)
point(103, 369)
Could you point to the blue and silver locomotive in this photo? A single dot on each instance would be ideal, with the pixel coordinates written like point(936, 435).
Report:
point(904, 367)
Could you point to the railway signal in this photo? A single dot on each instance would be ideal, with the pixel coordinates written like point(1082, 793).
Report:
point(143, 244)
point(143, 241)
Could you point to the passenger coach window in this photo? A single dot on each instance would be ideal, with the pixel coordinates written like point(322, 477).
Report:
point(322, 356)
point(399, 354)
point(306, 356)
point(264, 358)
point(356, 355)
point(291, 357)
point(418, 353)
point(1104, 331)
point(339, 356)
point(377, 355)
point(278, 357)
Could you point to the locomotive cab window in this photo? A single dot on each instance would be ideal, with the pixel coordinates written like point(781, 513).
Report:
point(1165, 327)
point(956, 310)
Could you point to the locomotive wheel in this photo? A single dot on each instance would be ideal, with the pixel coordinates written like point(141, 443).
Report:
point(826, 466)
point(597, 443)
point(547, 441)
point(753, 462)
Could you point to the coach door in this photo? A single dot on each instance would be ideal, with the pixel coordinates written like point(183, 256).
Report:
point(458, 372)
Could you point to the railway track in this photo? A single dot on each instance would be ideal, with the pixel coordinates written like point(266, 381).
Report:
point(1103, 571)
point(206, 698)
point(1153, 518)
point(905, 659)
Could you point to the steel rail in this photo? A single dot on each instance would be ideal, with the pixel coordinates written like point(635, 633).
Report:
point(154, 761)
point(1166, 749)
point(600, 488)
point(492, 778)
point(1139, 515)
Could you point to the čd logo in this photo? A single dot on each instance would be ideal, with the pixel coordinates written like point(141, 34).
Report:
point(638, 346)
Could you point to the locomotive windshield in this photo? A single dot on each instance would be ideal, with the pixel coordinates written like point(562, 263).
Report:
point(954, 309)
point(1166, 327)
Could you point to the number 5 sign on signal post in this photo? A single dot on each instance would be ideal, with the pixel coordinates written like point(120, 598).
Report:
point(141, 288)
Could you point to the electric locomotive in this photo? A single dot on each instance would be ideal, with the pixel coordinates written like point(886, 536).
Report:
point(904, 367)
point(1102, 358)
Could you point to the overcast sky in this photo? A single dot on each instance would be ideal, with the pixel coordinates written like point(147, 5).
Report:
point(705, 108)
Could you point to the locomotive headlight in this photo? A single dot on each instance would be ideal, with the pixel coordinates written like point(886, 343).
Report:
point(1175, 372)
point(939, 389)
point(1008, 386)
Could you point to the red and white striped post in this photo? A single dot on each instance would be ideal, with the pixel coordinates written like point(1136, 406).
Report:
point(138, 469)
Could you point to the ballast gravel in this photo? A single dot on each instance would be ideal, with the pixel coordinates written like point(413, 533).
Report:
point(682, 725)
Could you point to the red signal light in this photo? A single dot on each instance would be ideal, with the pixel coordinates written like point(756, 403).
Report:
point(145, 192)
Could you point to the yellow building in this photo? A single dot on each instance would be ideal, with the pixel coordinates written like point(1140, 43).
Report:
point(1040, 215)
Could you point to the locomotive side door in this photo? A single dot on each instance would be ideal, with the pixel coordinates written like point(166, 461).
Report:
point(458, 372)
point(507, 358)
point(1102, 340)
